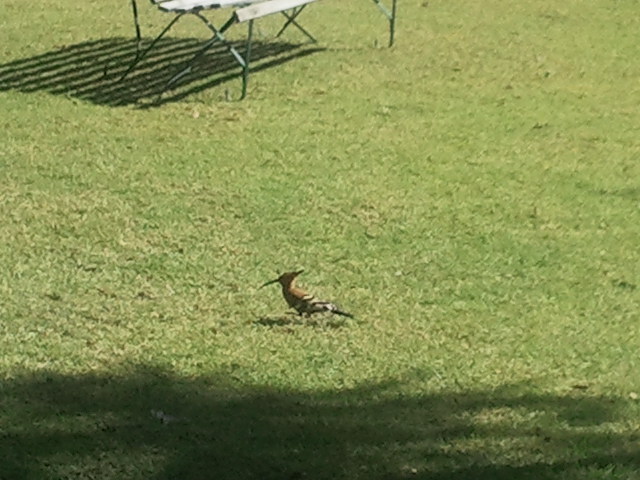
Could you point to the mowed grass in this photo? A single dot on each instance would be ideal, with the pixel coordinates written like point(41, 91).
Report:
point(472, 195)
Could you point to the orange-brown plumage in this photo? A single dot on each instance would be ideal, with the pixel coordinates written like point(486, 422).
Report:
point(301, 301)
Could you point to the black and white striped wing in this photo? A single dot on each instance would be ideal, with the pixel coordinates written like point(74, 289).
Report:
point(317, 306)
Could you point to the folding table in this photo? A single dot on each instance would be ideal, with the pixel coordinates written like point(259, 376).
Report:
point(242, 11)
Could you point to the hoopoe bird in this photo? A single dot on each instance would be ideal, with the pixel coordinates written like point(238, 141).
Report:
point(304, 303)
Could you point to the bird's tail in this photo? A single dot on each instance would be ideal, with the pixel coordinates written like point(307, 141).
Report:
point(333, 308)
point(341, 312)
point(320, 306)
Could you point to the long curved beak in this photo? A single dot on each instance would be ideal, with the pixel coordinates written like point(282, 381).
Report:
point(270, 282)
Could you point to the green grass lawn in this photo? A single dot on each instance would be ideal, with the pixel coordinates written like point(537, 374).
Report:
point(472, 195)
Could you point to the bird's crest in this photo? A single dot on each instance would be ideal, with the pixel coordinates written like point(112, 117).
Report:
point(285, 279)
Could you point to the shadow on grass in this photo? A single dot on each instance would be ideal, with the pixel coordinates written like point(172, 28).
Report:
point(153, 425)
point(91, 70)
point(323, 321)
